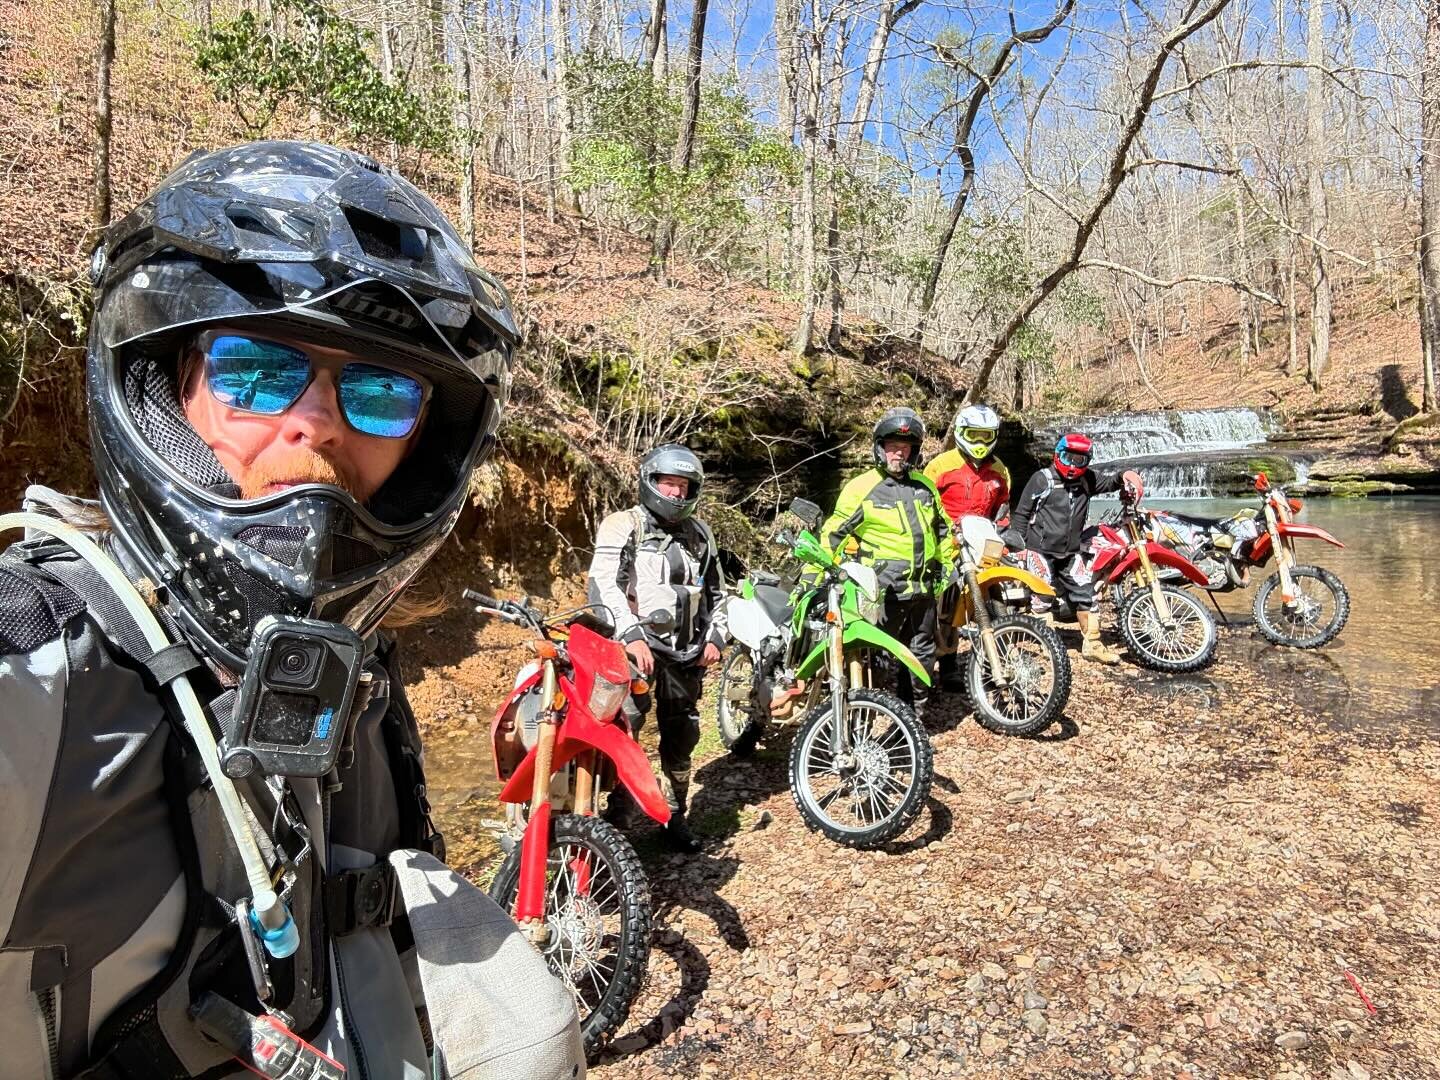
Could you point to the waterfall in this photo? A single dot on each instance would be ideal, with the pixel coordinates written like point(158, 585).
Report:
point(1175, 451)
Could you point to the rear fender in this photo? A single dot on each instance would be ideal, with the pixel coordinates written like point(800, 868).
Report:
point(1307, 532)
point(1161, 556)
point(580, 732)
point(858, 631)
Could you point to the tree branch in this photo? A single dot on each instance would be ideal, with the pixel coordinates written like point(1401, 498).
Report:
point(1196, 166)
point(1200, 279)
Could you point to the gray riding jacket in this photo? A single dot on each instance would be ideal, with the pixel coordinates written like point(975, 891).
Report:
point(117, 883)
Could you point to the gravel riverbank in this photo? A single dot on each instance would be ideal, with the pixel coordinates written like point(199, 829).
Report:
point(1180, 882)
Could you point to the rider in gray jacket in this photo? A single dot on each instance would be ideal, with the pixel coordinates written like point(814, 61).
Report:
point(293, 367)
point(658, 556)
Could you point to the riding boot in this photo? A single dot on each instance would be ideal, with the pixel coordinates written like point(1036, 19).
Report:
point(950, 676)
point(1091, 647)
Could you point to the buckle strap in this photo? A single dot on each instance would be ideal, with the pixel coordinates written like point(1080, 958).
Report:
point(356, 899)
point(168, 664)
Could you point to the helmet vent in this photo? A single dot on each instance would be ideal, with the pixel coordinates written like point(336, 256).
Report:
point(347, 554)
point(283, 543)
point(388, 240)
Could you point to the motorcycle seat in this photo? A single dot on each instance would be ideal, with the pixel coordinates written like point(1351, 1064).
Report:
point(776, 603)
point(1199, 522)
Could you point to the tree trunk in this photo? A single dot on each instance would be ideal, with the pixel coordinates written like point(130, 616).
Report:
point(654, 35)
point(202, 15)
point(464, 122)
point(1430, 202)
point(685, 143)
point(810, 59)
point(1315, 144)
point(104, 60)
point(835, 81)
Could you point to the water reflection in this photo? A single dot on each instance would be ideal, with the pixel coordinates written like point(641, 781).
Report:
point(1384, 669)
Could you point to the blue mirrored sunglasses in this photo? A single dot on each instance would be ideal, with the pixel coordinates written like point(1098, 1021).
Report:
point(266, 378)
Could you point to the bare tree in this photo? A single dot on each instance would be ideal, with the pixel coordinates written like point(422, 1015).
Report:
point(985, 82)
point(1430, 203)
point(104, 60)
point(685, 142)
point(1119, 167)
point(1319, 224)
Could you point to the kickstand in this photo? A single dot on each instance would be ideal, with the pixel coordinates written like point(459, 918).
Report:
point(1218, 609)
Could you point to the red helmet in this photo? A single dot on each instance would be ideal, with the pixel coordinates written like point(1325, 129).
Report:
point(1072, 455)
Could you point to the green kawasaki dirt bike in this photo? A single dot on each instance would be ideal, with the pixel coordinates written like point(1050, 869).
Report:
point(812, 651)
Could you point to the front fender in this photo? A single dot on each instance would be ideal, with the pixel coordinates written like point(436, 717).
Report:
point(580, 732)
point(1014, 573)
point(862, 632)
point(1162, 556)
point(1307, 532)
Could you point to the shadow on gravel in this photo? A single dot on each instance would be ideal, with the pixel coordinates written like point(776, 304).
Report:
point(1061, 730)
point(941, 820)
point(694, 981)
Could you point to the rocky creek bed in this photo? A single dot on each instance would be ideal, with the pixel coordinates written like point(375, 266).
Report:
point(1172, 883)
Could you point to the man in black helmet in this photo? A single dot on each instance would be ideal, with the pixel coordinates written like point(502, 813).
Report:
point(658, 557)
point(894, 515)
point(293, 367)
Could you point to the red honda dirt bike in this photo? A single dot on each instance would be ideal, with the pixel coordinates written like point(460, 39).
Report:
point(1166, 628)
point(571, 880)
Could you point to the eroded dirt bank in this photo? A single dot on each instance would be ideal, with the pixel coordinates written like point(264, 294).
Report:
point(1174, 883)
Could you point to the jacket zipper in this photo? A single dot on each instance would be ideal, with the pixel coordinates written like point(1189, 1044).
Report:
point(49, 1009)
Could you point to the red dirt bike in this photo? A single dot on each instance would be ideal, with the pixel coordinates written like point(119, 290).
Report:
point(1166, 628)
point(570, 879)
point(1300, 606)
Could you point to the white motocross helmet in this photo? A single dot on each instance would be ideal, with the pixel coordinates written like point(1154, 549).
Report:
point(976, 429)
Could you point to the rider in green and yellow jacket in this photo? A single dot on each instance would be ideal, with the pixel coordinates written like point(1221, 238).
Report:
point(893, 513)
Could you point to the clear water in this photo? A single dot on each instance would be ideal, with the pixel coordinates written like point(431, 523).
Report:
point(1384, 669)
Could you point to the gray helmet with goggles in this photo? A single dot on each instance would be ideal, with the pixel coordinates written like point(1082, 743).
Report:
point(672, 459)
point(256, 259)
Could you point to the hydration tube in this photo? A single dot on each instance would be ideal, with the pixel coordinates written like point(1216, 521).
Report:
point(270, 919)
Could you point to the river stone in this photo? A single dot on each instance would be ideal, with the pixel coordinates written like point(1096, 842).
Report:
point(976, 983)
point(1034, 1000)
point(1293, 1040)
point(1035, 1020)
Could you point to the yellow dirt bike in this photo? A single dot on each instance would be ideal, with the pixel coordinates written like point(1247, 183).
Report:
point(1017, 674)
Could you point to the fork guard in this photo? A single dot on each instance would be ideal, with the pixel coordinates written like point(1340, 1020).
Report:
point(865, 633)
point(580, 732)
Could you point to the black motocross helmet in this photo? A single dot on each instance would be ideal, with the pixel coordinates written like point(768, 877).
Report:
point(671, 459)
point(326, 245)
point(898, 423)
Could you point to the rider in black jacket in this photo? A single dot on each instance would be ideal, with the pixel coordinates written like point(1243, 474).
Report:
point(1049, 517)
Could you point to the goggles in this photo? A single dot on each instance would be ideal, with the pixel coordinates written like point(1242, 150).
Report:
point(979, 435)
point(266, 378)
point(1073, 458)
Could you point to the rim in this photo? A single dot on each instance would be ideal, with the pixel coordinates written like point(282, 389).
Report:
point(733, 703)
point(1026, 660)
point(584, 911)
point(870, 785)
point(1185, 638)
point(1314, 608)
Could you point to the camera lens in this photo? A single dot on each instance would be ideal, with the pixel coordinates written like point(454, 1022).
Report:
point(294, 662)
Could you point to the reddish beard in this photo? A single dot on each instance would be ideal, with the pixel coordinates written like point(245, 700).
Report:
point(301, 467)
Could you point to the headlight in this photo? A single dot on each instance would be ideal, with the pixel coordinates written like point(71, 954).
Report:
point(606, 697)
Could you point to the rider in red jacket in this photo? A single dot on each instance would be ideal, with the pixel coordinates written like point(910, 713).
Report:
point(969, 482)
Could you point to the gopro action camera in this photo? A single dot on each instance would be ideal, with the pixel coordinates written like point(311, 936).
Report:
point(293, 707)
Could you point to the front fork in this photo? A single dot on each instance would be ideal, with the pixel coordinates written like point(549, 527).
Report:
point(1152, 579)
point(981, 612)
point(535, 844)
point(839, 704)
point(1284, 557)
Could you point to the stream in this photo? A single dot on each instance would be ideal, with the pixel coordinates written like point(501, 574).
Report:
point(1383, 673)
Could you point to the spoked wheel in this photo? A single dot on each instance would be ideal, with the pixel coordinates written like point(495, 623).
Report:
point(734, 709)
point(597, 912)
point(1037, 677)
point(1186, 643)
point(1315, 617)
point(872, 793)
